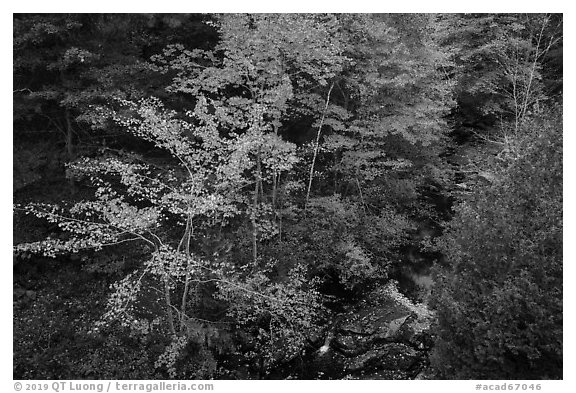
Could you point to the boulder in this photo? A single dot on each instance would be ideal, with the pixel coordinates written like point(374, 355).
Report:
point(386, 336)
point(394, 356)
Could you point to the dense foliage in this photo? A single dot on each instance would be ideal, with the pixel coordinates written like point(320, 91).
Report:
point(500, 303)
point(241, 182)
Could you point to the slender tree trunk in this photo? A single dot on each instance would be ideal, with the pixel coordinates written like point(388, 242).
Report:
point(69, 136)
point(69, 130)
point(186, 239)
point(316, 147)
point(70, 147)
point(257, 190)
point(277, 210)
point(275, 183)
point(527, 92)
point(275, 177)
point(169, 305)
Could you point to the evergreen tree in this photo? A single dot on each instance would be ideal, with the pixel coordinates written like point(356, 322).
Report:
point(499, 303)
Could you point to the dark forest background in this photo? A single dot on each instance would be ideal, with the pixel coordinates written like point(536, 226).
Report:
point(287, 196)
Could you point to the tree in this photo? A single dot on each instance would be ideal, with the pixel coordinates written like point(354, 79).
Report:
point(499, 303)
point(226, 142)
point(504, 63)
point(383, 132)
point(258, 169)
point(68, 66)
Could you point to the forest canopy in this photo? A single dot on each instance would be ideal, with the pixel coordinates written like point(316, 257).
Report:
point(244, 196)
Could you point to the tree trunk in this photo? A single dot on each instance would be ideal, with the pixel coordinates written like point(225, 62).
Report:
point(257, 191)
point(69, 136)
point(169, 312)
point(186, 239)
point(316, 146)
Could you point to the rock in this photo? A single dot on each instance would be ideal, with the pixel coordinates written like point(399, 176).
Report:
point(316, 336)
point(375, 320)
point(359, 332)
point(415, 331)
point(329, 365)
point(394, 356)
point(395, 325)
point(384, 337)
point(355, 326)
point(385, 375)
point(350, 345)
